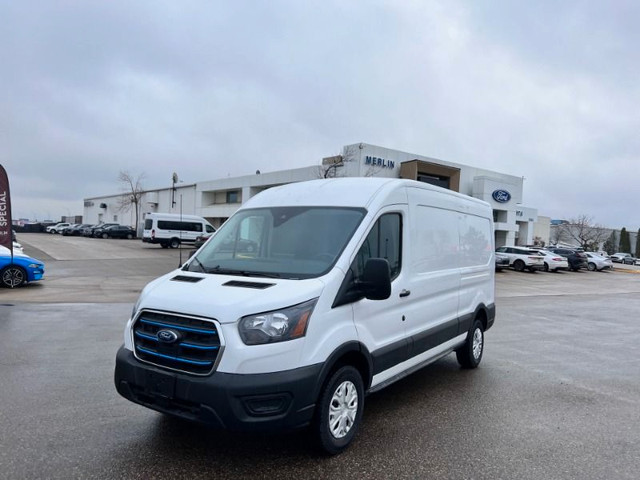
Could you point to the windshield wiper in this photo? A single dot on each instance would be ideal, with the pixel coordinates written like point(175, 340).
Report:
point(245, 273)
point(195, 259)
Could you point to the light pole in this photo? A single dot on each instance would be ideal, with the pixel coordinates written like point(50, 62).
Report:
point(174, 180)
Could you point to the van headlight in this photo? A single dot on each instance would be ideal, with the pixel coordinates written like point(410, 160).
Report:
point(277, 325)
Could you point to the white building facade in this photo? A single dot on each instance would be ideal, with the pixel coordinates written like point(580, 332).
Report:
point(216, 200)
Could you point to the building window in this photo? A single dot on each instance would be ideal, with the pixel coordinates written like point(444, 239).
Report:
point(500, 216)
point(437, 180)
point(115, 218)
point(233, 197)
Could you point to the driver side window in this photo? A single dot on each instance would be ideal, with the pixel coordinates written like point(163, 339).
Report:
point(384, 241)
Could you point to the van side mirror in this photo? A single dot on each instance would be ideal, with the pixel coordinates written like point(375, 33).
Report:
point(376, 279)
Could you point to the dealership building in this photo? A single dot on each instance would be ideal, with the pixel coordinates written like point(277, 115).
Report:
point(217, 199)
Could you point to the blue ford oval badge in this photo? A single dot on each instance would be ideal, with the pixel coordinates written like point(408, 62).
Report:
point(501, 196)
point(167, 336)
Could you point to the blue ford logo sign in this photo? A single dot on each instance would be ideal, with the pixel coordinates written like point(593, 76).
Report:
point(167, 336)
point(501, 196)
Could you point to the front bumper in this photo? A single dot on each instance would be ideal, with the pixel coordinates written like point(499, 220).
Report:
point(257, 402)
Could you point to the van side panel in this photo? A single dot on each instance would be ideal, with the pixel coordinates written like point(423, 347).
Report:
point(433, 261)
point(447, 276)
point(477, 265)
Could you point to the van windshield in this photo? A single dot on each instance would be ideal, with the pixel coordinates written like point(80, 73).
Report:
point(281, 242)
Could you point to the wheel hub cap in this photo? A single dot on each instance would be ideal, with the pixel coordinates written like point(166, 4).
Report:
point(477, 343)
point(343, 409)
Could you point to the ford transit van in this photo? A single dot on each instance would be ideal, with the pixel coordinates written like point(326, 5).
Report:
point(309, 297)
point(173, 229)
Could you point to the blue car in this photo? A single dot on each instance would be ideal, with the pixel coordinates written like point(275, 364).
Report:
point(23, 269)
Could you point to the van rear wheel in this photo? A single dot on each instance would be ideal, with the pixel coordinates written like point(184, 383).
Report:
point(174, 243)
point(470, 354)
point(340, 409)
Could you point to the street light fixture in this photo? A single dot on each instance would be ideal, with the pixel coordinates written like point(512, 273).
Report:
point(174, 180)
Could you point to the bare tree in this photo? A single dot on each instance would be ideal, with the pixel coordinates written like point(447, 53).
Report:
point(538, 242)
point(582, 230)
point(331, 166)
point(556, 234)
point(133, 191)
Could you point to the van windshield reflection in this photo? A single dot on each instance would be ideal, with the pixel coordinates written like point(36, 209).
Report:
point(279, 242)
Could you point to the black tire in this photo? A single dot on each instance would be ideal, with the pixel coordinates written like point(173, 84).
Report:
point(546, 267)
point(470, 354)
point(591, 267)
point(518, 265)
point(105, 235)
point(129, 236)
point(13, 276)
point(339, 410)
point(164, 245)
point(174, 243)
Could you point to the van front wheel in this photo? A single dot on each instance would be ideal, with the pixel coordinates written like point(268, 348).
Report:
point(340, 410)
point(470, 354)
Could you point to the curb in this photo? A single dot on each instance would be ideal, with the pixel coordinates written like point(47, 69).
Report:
point(624, 270)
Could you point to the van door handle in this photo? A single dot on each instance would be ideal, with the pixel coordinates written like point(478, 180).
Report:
point(405, 293)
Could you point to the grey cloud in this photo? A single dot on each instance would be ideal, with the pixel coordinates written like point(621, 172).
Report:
point(542, 90)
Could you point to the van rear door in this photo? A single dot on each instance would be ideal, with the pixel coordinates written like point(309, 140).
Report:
point(148, 227)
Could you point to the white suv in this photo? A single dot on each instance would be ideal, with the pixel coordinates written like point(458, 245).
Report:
point(57, 228)
point(523, 258)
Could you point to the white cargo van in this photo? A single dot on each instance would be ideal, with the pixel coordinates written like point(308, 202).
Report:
point(309, 297)
point(172, 229)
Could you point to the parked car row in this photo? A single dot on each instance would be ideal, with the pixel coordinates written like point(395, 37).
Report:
point(103, 230)
point(550, 259)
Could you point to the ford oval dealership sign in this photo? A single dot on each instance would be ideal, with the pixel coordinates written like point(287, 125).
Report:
point(501, 196)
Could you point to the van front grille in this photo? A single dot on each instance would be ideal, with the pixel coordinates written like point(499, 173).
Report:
point(177, 342)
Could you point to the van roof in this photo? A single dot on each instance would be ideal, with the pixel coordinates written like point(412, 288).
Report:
point(174, 216)
point(341, 192)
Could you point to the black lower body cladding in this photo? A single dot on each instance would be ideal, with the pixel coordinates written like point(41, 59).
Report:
point(257, 402)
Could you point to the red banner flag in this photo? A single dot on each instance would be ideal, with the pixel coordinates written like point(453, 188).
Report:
point(6, 239)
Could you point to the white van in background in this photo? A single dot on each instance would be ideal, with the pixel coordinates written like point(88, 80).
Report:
point(172, 229)
point(310, 296)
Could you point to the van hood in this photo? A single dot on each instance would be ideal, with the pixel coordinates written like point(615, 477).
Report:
point(225, 298)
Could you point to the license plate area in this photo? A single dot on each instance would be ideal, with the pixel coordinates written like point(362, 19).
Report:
point(160, 384)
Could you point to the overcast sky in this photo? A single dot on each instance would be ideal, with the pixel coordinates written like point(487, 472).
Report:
point(547, 90)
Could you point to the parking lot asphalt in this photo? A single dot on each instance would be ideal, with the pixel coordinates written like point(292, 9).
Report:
point(557, 395)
